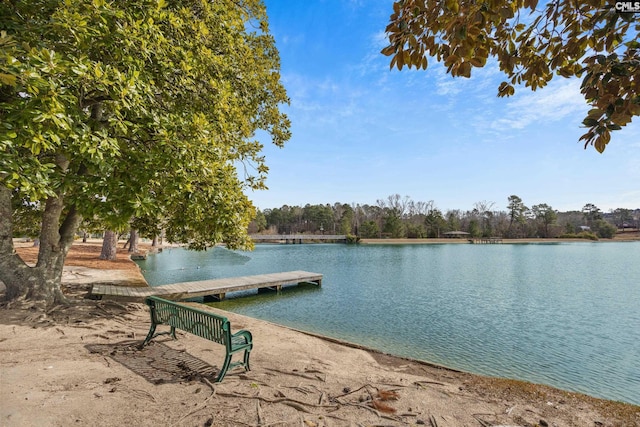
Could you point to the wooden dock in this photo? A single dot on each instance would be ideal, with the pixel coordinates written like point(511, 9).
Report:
point(298, 238)
point(486, 240)
point(216, 288)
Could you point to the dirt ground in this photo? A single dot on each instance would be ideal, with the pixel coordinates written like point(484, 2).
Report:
point(80, 365)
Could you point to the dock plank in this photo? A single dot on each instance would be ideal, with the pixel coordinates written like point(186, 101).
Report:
point(215, 287)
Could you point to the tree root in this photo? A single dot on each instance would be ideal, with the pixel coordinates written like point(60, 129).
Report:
point(200, 408)
point(259, 411)
point(308, 377)
point(284, 400)
point(422, 383)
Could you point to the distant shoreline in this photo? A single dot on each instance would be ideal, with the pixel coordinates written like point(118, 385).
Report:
point(635, 237)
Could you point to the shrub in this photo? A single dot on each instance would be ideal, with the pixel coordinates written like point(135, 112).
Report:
point(351, 239)
point(582, 235)
point(606, 230)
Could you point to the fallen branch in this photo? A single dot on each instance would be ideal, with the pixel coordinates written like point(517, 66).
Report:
point(297, 374)
point(299, 389)
point(200, 408)
point(82, 326)
point(387, 417)
point(140, 394)
point(360, 405)
point(259, 411)
point(482, 422)
point(349, 391)
point(422, 383)
point(395, 385)
point(296, 406)
point(235, 422)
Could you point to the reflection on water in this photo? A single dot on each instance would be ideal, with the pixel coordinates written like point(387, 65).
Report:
point(235, 301)
point(567, 315)
point(174, 265)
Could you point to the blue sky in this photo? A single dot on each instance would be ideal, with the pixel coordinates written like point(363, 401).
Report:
point(362, 132)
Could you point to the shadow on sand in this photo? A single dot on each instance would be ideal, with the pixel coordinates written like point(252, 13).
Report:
point(156, 362)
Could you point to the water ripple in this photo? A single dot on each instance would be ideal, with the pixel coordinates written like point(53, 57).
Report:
point(567, 315)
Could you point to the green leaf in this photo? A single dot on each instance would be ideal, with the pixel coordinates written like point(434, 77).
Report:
point(130, 85)
point(555, 38)
point(7, 79)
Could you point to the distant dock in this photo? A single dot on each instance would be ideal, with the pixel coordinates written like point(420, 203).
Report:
point(215, 288)
point(298, 238)
point(486, 240)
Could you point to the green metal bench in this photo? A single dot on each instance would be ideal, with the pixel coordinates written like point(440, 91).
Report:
point(201, 323)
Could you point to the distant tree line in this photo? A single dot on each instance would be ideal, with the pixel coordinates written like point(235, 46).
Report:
point(402, 217)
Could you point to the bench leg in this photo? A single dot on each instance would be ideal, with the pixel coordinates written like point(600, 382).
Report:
point(225, 367)
point(152, 334)
point(227, 364)
point(246, 359)
point(152, 330)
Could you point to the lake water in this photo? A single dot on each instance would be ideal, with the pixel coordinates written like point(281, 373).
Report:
point(565, 314)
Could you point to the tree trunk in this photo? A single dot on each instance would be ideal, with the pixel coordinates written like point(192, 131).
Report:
point(133, 241)
point(42, 282)
point(154, 243)
point(109, 245)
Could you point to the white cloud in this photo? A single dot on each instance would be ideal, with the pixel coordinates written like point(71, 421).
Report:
point(448, 86)
point(559, 100)
point(379, 40)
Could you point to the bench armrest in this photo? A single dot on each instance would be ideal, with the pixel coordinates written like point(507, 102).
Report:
point(243, 333)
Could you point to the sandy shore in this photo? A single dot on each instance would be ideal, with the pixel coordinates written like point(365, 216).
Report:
point(79, 365)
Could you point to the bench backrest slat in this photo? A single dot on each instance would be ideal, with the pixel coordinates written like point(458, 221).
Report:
point(201, 323)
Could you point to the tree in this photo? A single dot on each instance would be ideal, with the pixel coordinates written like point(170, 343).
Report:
point(435, 222)
point(474, 228)
point(545, 215)
point(109, 245)
point(345, 219)
point(393, 212)
point(133, 241)
point(453, 220)
point(358, 214)
point(114, 110)
point(369, 230)
point(584, 38)
point(604, 229)
point(259, 223)
point(392, 224)
point(591, 213)
point(622, 217)
point(483, 210)
point(517, 211)
point(319, 217)
point(26, 218)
